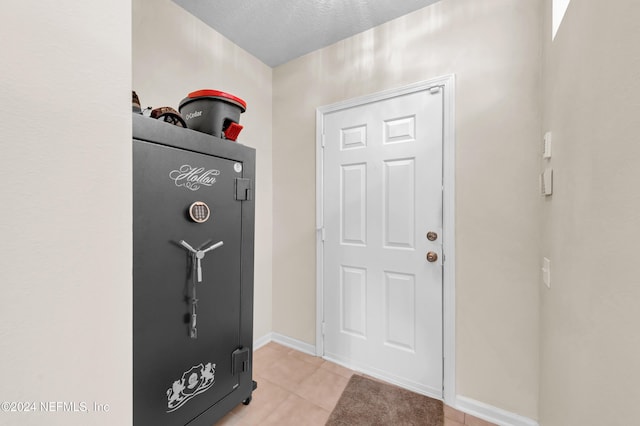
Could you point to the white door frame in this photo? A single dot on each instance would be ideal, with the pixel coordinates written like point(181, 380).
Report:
point(446, 83)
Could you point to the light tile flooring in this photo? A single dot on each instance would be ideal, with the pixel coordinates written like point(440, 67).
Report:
point(298, 389)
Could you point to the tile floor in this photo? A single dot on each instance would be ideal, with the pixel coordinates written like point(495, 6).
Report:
point(301, 390)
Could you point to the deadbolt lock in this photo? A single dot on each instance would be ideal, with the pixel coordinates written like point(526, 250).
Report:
point(432, 256)
point(432, 236)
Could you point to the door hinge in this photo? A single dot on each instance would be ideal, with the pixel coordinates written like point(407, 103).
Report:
point(323, 328)
point(322, 234)
point(322, 140)
point(243, 189)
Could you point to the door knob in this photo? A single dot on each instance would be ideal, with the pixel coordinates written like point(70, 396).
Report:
point(432, 236)
point(432, 256)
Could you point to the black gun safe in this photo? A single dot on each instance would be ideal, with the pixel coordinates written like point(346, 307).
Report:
point(193, 245)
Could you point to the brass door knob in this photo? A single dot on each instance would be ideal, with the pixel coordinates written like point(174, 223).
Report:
point(432, 256)
point(432, 236)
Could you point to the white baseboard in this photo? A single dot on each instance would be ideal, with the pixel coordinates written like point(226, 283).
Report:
point(492, 414)
point(261, 341)
point(294, 343)
point(283, 340)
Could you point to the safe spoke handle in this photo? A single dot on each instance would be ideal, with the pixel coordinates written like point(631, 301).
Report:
point(197, 256)
point(213, 247)
point(186, 245)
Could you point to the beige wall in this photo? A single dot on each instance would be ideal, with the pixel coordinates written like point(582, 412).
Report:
point(591, 225)
point(65, 299)
point(493, 47)
point(65, 221)
point(175, 53)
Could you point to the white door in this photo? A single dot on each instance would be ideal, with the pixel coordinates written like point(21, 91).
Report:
point(382, 194)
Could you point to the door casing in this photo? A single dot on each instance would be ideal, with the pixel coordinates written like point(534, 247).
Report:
point(447, 84)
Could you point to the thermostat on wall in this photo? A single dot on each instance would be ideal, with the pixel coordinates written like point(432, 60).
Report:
point(199, 212)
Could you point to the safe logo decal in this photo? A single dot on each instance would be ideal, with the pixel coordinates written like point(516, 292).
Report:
point(193, 382)
point(193, 177)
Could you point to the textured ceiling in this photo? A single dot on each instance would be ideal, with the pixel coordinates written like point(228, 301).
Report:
point(277, 31)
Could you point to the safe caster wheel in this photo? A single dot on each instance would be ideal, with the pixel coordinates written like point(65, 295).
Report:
point(254, 386)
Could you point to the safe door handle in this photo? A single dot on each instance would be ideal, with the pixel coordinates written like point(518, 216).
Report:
point(213, 247)
point(186, 245)
point(200, 254)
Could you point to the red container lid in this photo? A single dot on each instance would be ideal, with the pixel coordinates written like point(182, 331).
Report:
point(208, 93)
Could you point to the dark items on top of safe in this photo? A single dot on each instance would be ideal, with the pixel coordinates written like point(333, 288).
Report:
point(208, 111)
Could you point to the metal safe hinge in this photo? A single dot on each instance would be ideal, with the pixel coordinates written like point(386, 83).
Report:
point(243, 189)
point(240, 360)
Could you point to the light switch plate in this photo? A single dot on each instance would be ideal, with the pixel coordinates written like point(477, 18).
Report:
point(546, 182)
point(546, 272)
point(547, 145)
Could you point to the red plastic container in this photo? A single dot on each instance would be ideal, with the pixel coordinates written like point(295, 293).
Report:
point(214, 112)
